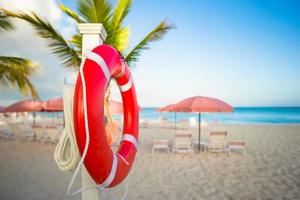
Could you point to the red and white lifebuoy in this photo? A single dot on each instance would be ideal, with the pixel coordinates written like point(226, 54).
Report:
point(100, 65)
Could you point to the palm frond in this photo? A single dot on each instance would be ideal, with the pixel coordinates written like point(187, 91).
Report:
point(120, 12)
point(71, 13)
point(76, 42)
point(5, 23)
point(16, 71)
point(56, 42)
point(31, 88)
point(155, 35)
point(119, 38)
point(94, 11)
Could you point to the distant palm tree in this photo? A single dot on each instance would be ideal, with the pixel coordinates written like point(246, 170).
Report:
point(93, 11)
point(16, 71)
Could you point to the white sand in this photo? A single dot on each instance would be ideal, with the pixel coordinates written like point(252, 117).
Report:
point(269, 170)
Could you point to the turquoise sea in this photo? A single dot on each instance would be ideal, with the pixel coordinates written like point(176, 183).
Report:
point(253, 115)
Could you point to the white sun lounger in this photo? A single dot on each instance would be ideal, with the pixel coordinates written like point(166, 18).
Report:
point(218, 142)
point(5, 132)
point(40, 133)
point(160, 144)
point(144, 123)
point(22, 131)
point(183, 143)
point(183, 124)
point(236, 145)
point(166, 123)
point(53, 133)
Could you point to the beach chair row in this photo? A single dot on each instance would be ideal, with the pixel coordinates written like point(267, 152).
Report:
point(41, 133)
point(184, 143)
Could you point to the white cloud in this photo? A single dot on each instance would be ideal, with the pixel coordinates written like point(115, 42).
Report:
point(24, 42)
point(45, 8)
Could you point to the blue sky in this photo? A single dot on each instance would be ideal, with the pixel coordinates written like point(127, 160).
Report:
point(244, 52)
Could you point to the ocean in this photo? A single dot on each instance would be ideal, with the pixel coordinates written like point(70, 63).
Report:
point(249, 115)
point(241, 115)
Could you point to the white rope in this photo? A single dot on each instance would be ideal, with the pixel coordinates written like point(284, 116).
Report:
point(66, 153)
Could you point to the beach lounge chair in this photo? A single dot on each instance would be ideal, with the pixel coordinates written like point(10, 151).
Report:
point(183, 124)
point(236, 145)
point(166, 123)
point(183, 143)
point(218, 142)
point(53, 133)
point(5, 132)
point(22, 131)
point(193, 122)
point(144, 123)
point(40, 134)
point(160, 144)
point(27, 132)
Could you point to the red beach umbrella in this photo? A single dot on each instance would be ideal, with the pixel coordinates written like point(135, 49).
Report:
point(25, 106)
point(169, 108)
point(199, 104)
point(54, 105)
point(57, 105)
point(1, 108)
point(202, 104)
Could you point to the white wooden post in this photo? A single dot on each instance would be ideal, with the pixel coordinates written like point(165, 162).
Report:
point(92, 36)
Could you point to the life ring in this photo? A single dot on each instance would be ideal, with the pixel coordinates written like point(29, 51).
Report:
point(98, 67)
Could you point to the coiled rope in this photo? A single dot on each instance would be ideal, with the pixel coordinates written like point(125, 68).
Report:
point(66, 154)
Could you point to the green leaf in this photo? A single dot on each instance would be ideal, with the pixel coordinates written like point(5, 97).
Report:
point(76, 42)
point(16, 71)
point(119, 39)
point(5, 23)
point(72, 14)
point(94, 11)
point(120, 12)
point(68, 55)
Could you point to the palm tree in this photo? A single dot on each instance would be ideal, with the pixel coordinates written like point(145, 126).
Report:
point(16, 71)
point(93, 11)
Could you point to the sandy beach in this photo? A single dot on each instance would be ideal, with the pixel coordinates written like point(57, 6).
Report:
point(270, 168)
point(76, 75)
